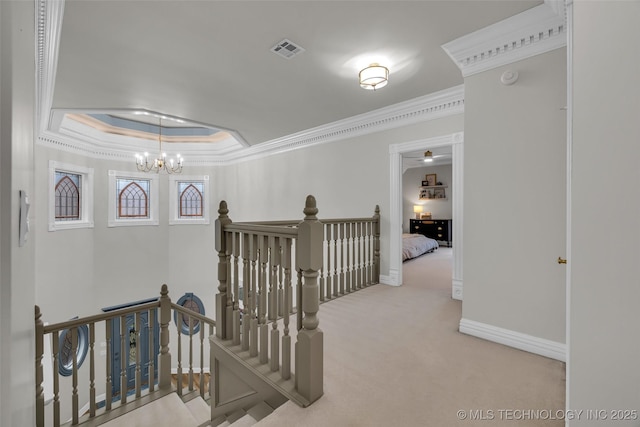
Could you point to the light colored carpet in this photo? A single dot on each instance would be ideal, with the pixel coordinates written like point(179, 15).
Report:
point(394, 357)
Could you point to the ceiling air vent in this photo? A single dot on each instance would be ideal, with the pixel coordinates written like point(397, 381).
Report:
point(287, 49)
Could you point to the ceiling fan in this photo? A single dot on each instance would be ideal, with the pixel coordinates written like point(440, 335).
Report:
point(427, 157)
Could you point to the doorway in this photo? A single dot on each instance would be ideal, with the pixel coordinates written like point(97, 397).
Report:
point(396, 151)
point(125, 347)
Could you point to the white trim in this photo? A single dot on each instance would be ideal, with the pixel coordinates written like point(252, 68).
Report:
point(391, 279)
point(153, 195)
point(395, 215)
point(456, 289)
point(174, 217)
point(532, 32)
point(541, 346)
point(568, 248)
point(455, 140)
point(440, 104)
point(86, 196)
point(428, 107)
point(457, 190)
point(49, 17)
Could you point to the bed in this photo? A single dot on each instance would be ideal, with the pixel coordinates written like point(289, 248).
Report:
point(414, 245)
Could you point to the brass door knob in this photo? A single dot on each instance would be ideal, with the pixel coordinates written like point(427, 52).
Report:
point(561, 260)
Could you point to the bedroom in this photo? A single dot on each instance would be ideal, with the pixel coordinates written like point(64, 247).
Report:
point(427, 203)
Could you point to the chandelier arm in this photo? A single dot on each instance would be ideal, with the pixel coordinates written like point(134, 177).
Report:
point(160, 163)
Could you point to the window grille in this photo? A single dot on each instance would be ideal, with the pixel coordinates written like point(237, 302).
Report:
point(67, 196)
point(70, 195)
point(191, 199)
point(188, 200)
point(133, 198)
point(66, 355)
point(193, 303)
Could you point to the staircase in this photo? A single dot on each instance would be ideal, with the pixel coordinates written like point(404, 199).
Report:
point(261, 357)
point(190, 411)
point(200, 408)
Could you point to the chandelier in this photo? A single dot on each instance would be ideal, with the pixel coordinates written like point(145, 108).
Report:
point(160, 163)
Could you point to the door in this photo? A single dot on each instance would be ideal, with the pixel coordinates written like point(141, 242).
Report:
point(133, 345)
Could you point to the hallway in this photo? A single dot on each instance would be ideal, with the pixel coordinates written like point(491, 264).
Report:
point(394, 356)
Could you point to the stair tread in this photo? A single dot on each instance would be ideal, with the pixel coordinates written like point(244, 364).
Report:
point(168, 411)
point(245, 421)
point(199, 409)
point(260, 410)
point(234, 416)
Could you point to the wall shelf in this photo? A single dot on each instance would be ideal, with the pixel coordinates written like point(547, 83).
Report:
point(433, 192)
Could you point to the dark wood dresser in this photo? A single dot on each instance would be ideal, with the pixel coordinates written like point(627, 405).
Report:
point(437, 229)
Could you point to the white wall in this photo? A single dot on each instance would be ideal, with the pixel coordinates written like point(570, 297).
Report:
point(603, 369)
point(411, 182)
point(80, 271)
point(514, 198)
point(104, 266)
point(17, 88)
point(348, 178)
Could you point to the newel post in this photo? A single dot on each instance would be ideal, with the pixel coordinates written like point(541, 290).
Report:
point(309, 347)
point(376, 245)
point(222, 300)
point(39, 368)
point(164, 360)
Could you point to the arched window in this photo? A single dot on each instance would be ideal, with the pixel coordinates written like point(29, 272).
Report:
point(191, 202)
point(193, 303)
point(67, 197)
point(188, 202)
point(133, 201)
point(70, 195)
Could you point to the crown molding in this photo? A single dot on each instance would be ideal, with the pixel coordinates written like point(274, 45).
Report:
point(429, 107)
point(50, 15)
point(532, 32)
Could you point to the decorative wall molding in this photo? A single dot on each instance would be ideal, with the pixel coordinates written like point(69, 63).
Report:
point(532, 32)
point(541, 346)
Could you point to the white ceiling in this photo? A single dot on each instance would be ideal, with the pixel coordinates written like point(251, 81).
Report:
point(440, 156)
point(210, 61)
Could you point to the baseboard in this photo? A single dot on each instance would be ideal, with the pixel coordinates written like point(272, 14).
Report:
point(456, 289)
point(391, 279)
point(541, 346)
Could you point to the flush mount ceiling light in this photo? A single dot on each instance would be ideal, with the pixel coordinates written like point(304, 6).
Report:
point(428, 156)
point(373, 77)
